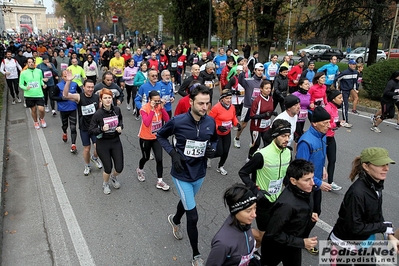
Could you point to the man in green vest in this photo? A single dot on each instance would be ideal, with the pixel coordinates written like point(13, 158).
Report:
point(268, 167)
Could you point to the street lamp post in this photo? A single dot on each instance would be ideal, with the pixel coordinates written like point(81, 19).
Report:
point(289, 26)
point(393, 29)
point(210, 24)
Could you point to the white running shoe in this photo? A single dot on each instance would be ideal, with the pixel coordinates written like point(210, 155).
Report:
point(96, 161)
point(237, 143)
point(151, 156)
point(140, 174)
point(335, 187)
point(87, 170)
point(162, 185)
point(115, 182)
point(347, 125)
point(375, 129)
point(208, 163)
point(128, 106)
point(106, 189)
point(221, 170)
point(19, 100)
point(46, 109)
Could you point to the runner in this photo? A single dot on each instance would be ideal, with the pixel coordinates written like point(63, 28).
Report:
point(195, 141)
point(88, 103)
point(153, 115)
point(9, 68)
point(107, 125)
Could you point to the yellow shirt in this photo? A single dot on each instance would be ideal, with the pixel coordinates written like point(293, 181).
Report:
point(79, 73)
point(119, 64)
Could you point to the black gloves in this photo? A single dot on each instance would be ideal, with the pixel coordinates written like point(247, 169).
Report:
point(261, 195)
point(177, 161)
point(222, 129)
point(239, 127)
point(209, 152)
point(274, 113)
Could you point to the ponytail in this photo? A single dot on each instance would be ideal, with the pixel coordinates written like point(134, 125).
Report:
point(357, 168)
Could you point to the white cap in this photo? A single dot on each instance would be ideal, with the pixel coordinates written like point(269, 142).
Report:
point(240, 67)
point(235, 50)
point(290, 53)
point(258, 65)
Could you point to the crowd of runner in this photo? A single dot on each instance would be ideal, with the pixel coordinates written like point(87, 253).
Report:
point(89, 81)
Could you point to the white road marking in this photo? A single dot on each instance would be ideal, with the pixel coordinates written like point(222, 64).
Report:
point(81, 248)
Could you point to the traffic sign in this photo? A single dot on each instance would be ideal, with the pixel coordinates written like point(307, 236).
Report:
point(114, 19)
point(136, 32)
point(98, 28)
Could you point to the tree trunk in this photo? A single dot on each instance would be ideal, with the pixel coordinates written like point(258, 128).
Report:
point(377, 20)
point(234, 38)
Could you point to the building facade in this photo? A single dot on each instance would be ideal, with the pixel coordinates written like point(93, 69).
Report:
point(27, 16)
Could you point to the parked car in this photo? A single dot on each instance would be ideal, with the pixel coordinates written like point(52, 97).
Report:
point(326, 55)
point(360, 55)
point(394, 53)
point(315, 48)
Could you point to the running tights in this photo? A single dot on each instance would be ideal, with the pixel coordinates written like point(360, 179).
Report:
point(331, 157)
point(46, 93)
point(12, 84)
point(131, 93)
point(71, 117)
point(110, 150)
point(145, 146)
point(223, 148)
point(254, 148)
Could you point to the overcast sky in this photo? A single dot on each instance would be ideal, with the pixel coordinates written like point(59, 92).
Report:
point(49, 6)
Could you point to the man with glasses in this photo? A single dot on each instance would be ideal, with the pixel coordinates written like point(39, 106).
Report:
point(252, 90)
point(167, 95)
point(312, 146)
point(145, 89)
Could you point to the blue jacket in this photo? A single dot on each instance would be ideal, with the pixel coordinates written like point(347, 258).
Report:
point(184, 127)
point(166, 93)
point(46, 70)
point(312, 147)
point(332, 70)
point(137, 60)
point(66, 105)
point(144, 91)
point(347, 80)
point(218, 60)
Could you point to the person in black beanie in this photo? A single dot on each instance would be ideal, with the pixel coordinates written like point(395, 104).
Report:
point(312, 146)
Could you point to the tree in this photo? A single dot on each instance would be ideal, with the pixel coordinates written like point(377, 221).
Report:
point(342, 19)
point(266, 12)
point(234, 9)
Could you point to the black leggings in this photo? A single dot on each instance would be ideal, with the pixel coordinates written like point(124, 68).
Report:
point(299, 130)
point(345, 105)
point(192, 220)
point(46, 93)
point(253, 149)
point(131, 92)
point(71, 117)
point(278, 100)
point(331, 157)
point(145, 146)
point(110, 150)
point(223, 148)
point(13, 86)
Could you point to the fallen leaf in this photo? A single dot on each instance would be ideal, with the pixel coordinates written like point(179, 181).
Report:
point(45, 164)
point(6, 231)
point(13, 231)
point(348, 130)
point(6, 184)
point(6, 213)
point(174, 258)
point(5, 190)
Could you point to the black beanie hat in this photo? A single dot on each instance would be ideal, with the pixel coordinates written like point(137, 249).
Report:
point(332, 94)
point(290, 101)
point(320, 114)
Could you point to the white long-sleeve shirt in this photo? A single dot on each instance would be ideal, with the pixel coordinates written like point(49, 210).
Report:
point(10, 66)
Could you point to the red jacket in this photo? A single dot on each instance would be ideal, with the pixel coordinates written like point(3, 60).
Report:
point(183, 105)
point(153, 64)
point(294, 74)
point(224, 117)
point(223, 77)
point(318, 94)
point(259, 106)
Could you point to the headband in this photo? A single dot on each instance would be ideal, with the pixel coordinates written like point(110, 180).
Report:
point(280, 131)
point(226, 94)
point(244, 202)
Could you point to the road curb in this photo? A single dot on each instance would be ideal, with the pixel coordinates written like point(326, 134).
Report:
point(3, 159)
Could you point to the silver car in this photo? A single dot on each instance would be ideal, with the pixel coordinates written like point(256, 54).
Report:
point(360, 55)
point(315, 48)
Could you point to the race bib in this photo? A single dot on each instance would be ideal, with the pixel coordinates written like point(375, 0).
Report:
point(112, 122)
point(209, 84)
point(118, 71)
point(47, 74)
point(12, 70)
point(264, 123)
point(195, 148)
point(156, 126)
point(298, 77)
point(166, 98)
point(275, 186)
point(227, 124)
point(255, 93)
point(319, 101)
point(92, 68)
point(64, 66)
point(174, 64)
point(77, 76)
point(222, 64)
point(241, 90)
point(88, 109)
point(272, 73)
point(331, 77)
point(303, 114)
point(195, 60)
point(180, 63)
point(34, 85)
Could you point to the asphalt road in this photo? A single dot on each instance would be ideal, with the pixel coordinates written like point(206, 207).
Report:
point(57, 216)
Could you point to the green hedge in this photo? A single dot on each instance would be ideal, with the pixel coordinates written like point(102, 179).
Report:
point(341, 66)
point(376, 76)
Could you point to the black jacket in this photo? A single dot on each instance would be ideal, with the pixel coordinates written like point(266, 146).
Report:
point(280, 86)
point(290, 218)
point(97, 123)
point(360, 214)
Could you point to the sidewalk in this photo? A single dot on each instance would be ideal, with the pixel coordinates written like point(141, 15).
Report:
point(24, 240)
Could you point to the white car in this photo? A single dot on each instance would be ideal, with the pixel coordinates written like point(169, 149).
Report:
point(315, 48)
point(360, 55)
